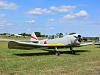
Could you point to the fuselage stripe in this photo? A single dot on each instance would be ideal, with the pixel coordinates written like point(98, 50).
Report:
point(56, 45)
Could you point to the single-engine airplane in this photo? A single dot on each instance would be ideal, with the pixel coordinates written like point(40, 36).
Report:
point(66, 41)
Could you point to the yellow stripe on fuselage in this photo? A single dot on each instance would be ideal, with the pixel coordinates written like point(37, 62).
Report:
point(55, 45)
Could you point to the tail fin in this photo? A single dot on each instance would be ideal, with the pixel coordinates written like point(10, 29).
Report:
point(33, 37)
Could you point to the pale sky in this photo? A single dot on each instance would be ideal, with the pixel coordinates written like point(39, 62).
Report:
point(50, 16)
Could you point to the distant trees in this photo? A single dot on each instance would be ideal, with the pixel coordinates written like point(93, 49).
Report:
point(38, 34)
point(58, 35)
point(85, 39)
point(4, 34)
point(25, 34)
point(90, 38)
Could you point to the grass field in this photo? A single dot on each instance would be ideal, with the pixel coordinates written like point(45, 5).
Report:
point(40, 62)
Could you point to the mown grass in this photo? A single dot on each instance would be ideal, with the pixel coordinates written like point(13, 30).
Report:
point(41, 62)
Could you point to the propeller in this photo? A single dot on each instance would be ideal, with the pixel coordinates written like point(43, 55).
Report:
point(79, 38)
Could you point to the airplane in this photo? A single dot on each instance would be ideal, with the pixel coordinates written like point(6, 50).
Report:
point(66, 41)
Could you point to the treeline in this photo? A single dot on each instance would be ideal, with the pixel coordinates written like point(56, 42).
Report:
point(38, 34)
point(57, 35)
point(91, 38)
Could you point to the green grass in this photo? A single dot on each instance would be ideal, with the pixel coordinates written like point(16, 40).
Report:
point(40, 62)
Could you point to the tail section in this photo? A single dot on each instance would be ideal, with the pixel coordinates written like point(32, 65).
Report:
point(33, 37)
point(36, 40)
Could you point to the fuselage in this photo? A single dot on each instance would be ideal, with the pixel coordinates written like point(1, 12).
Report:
point(66, 40)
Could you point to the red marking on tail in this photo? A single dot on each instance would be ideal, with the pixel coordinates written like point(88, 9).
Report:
point(34, 37)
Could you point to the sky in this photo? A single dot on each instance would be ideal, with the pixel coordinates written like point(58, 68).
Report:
point(50, 16)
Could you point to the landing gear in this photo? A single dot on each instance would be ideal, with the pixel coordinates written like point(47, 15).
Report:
point(56, 51)
point(72, 51)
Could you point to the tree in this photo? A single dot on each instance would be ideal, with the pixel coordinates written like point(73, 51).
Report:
point(38, 34)
point(60, 35)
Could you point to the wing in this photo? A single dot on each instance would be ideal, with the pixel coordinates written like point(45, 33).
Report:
point(24, 45)
point(29, 45)
point(86, 43)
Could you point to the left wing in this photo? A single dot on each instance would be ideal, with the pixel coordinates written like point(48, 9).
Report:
point(23, 45)
point(29, 45)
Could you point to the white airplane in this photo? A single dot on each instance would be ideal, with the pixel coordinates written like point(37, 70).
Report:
point(66, 41)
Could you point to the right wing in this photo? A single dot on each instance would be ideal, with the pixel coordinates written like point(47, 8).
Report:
point(86, 43)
